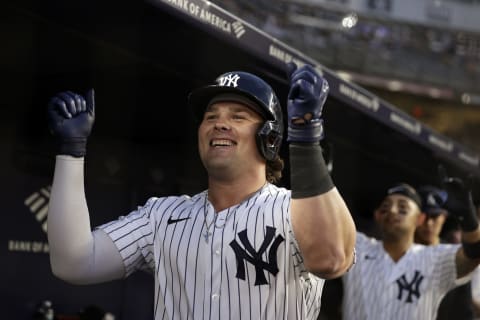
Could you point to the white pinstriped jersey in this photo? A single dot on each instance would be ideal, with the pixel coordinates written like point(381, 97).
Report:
point(411, 288)
point(250, 268)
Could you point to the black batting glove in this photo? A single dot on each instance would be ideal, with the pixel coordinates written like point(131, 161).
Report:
point(306, 97)
point(460, 203)
point(71, 117)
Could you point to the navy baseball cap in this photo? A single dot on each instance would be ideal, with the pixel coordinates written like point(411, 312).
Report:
point(406, 190)
point(433, 200)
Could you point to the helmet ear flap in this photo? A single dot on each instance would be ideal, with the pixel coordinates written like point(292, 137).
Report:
point(269, 139)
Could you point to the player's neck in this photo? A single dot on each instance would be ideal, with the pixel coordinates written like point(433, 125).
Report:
point(429, 242)
point(223, 194)
point(396, 248)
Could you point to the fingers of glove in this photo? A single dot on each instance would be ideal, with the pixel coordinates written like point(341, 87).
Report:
point(458, 195)
point(302, 90)
point(90, 97)
point(72, 101)
point(309, 83)
point(306, 73)
point(57, 106)
point(80, 103)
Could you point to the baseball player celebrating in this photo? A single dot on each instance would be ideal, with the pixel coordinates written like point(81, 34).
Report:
point(433, 200)
point(457, 303)
point(242, 249)
point(397, 279)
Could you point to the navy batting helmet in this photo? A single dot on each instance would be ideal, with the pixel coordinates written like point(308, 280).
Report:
point(254, 92)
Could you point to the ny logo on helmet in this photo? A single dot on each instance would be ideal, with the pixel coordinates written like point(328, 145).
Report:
point(229, 80)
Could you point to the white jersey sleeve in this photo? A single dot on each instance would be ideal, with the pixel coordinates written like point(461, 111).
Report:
point(76, 254)
point(134, 234)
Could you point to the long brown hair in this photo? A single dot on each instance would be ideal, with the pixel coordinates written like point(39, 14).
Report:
point(274, 169)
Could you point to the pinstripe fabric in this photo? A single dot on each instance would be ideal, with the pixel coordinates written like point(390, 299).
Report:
point(411, 288)
point(195, 279)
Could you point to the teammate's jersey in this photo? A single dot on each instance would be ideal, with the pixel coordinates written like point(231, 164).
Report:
point(411, 288)
point(249, 267)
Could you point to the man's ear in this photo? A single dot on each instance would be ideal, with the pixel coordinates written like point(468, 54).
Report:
point(421, 218)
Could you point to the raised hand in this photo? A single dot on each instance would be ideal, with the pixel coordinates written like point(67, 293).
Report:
point(306, 97)
point(71, 117)
point(460, 202)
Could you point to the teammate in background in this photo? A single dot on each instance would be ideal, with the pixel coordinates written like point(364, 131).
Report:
point(457, 303)
point(433, 201)
point(397, 279)
point(242, 249)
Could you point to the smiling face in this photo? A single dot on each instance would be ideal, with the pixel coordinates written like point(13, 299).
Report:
point(398, 215)
point(227, 140)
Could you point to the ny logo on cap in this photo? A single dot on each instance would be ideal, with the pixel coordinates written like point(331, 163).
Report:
point(229, 80)
point(431, 200)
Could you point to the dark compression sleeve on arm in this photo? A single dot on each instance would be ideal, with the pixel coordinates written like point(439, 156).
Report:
point(309, 175)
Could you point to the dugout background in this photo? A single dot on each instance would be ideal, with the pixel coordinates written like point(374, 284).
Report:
point(143, 58)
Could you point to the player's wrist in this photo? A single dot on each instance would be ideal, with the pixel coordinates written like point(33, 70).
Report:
point(309, 174)
point(75, 147)
point(311, 132)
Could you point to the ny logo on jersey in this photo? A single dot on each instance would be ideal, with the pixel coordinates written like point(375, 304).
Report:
point(412, 287)
point(249, 254)
point(229, 80)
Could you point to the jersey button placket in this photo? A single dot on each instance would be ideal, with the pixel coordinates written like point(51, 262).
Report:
point(217, 252)
point(216, 258)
